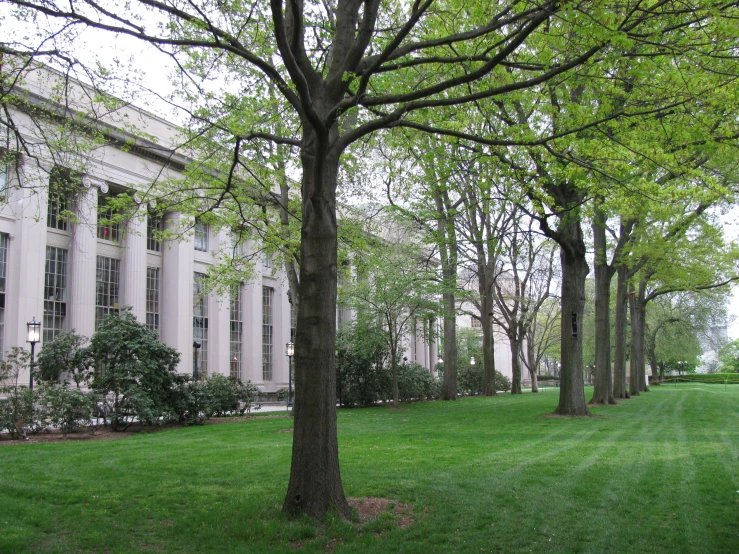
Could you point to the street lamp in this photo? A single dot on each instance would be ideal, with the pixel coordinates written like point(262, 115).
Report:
point(289, 352)
point(34, 336)
point(195, 347)
point(472, 361)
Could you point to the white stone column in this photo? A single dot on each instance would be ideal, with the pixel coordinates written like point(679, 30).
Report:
point(133, 278)
point(220, 322)
point(26, 257)
point(83, 262)
point(252, 345)
point(175, 319)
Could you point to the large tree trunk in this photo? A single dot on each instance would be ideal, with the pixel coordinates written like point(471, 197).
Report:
point(532, 366)
point(619, 354)
point(637, 347)
point(315, 486)
point(488, 345)
point(515, 363)
point(448, 255)
point(641, 308)
point(574, 270)
point(449, 384)
point(603, 389)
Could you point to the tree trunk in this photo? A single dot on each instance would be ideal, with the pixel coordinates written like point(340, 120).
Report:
point(515, 363)
point(641, 308)
point(394, 366)
point(449, 385)
point(637, 348)
point(619, 354)
point(603, 389)
point(532, 366)
point(574, 270)
point(315, 486)
point(488, 346)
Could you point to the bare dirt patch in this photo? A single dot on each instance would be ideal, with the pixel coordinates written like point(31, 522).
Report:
point(369, 509)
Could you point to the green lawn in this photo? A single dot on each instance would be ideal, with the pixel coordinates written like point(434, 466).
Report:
point(658, 474)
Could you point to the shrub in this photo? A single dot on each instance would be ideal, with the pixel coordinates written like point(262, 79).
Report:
point(65, 408)
point(721, 378)
point(222, 394)
point(17, 412)
point(415, 382)
point(64, 357)
point(135, 372)
point(361, 378)
point(469, 380)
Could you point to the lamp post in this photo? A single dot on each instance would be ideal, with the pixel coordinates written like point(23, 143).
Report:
point(472, 361)
point(289, 352)
point(34, 336)
point(195, 347)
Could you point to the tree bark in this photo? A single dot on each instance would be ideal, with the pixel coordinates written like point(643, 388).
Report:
point(619, 355)
point(603, 389)
point(636, 373)
point(315, 486)
point(574, 270)
point(488, 350)
point(641, 308)
point(532, 366)
point(515, 363)
point(449, 384)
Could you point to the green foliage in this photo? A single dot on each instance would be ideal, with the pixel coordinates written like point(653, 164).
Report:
point(469, 380)
point(17, 413)
point(415, 382)
point(64, 356)
point(361, 378)
point(133, 368)
point(729, 356)
point(65, 408)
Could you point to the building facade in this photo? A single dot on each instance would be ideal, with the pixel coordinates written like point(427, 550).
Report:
point(65, 261)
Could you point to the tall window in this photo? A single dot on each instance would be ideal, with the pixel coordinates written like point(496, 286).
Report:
point(55, 292)
point(153, 228)
point(3, 274)
point(108, 283)
point(59, 191)
point(200, 321)
point(267, 260)
point(476, 323)
point(237, 328)
point(108, 229)
point(201, 236)
point(152, 298)
point(268, 298)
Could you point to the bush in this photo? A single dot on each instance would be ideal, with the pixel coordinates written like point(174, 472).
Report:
point(469, 380)
point(17, 412)
point(65, 408)
point(135, 372)
point(64, 357)
point(361, 378)
point(415, 382)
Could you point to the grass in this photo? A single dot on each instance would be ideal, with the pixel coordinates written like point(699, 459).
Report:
point(658, 474)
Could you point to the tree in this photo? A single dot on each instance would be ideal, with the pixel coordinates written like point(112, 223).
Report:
point(394, 287)
point(729, 357)
point(521, 293)
point(342, 71)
